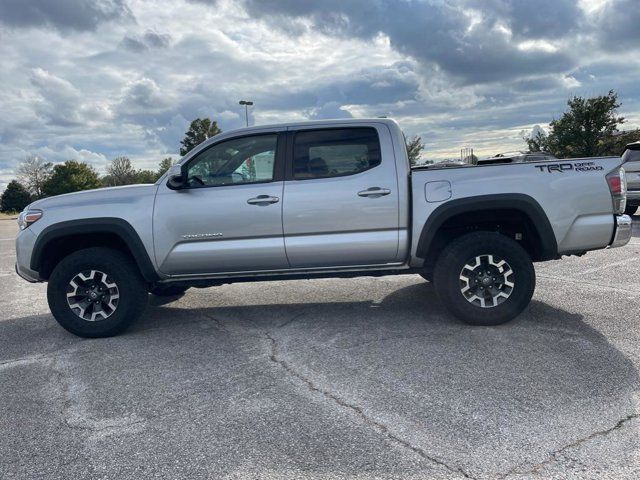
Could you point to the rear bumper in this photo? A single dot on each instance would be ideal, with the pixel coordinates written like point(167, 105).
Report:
point(633, 197)
point(623, 231)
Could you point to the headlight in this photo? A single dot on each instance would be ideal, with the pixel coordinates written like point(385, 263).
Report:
point(27, 217)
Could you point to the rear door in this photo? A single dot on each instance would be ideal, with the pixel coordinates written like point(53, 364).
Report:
point(341, 197)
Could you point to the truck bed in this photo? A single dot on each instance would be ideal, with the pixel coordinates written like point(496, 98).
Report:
point(573, 193)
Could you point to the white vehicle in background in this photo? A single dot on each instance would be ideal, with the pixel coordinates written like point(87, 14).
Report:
point(631, 159)
point(516, 157)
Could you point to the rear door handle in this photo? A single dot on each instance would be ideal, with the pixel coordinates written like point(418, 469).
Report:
point(374, 192)
point(263, 200)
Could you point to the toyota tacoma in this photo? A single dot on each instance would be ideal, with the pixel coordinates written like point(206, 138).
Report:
point(318, 199)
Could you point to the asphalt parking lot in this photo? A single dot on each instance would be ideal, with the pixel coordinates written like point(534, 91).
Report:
point(362, 378)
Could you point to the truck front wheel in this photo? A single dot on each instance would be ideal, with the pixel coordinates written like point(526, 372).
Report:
point(484, 278)
point(96, 292)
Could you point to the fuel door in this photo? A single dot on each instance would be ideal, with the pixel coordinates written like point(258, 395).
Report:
point(437, 191)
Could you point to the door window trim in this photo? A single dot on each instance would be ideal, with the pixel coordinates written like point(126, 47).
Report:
point(288, 176)
point(278, 165)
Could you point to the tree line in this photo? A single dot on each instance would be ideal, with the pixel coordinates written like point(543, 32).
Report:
point(590, 127)
point(38, 178)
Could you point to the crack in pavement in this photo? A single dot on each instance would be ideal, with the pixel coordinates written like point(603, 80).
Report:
point(553, 456)
point(292, 319)
point(378, 426)
point(215, 320)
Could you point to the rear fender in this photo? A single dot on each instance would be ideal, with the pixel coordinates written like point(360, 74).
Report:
point(511, 201)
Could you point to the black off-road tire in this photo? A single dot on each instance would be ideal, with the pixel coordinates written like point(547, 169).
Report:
point(630, 209)
point(168, 290)
point(467, 250)
point(121, 271)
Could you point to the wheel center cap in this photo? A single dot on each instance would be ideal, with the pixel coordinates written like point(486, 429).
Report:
point(93, 295)
point(486, 281)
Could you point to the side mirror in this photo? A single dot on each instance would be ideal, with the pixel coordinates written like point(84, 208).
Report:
point(175, 178)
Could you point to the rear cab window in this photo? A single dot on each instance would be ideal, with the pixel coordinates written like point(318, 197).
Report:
point(334, 152)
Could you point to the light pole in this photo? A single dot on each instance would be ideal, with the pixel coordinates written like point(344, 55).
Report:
point(246, 104)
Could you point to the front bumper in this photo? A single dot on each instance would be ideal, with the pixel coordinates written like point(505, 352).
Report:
point(28, 275)
point(24, 247)
point(623, 231)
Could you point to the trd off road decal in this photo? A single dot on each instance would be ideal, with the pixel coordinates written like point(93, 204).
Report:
point(569, 167)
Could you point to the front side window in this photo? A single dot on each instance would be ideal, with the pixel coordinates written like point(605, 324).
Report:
point(235, 161)
point(335, 152)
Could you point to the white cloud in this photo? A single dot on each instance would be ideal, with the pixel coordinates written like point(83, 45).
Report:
point(570, 82)
point(541, 45)
point(130, 78)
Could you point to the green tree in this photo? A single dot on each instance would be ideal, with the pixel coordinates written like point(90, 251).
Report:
point(120, 172)
point(15, 197)
point(536, 142)
point(617, 143)
point(71, 176)
point(165, 165)
point(414, 149)
point(585, 130)
point(145, 176)
point(33, 171)
point(199, 130)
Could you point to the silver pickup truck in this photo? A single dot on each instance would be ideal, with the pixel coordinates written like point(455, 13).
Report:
point(319, 199)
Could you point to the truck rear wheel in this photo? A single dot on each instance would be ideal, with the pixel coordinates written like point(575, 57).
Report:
point(630, 209)
point(96, 292)
point(484, 278)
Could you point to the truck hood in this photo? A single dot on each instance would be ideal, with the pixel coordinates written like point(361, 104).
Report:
point(109, 195)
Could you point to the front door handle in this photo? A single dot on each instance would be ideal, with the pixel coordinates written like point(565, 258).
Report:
point(374, 192)
point(263, 200)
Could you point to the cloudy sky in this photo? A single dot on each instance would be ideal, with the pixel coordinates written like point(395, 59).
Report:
point(94, 79)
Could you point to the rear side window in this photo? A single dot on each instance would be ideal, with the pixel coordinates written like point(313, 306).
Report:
point(334, 152)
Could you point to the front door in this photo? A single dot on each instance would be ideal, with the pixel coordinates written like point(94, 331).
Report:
point(229, 218)
point(341, 198)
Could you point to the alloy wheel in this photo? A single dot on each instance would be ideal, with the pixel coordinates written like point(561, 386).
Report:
point(92, 295)
point(486, 281)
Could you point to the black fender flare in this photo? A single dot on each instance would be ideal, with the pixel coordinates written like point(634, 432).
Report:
point(512, 201)
point(116, 226)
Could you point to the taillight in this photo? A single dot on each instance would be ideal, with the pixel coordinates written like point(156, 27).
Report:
point(618, 188)
point(615, 184)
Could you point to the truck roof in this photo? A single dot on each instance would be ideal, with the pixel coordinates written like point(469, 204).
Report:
point(391, 123)
point(311, 123)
